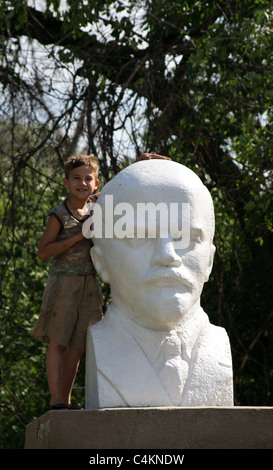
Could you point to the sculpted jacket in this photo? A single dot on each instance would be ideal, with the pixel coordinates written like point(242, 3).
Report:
point(130, 365)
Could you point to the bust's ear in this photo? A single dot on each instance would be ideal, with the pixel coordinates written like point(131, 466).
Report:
point(97, 259)
point(209, 268)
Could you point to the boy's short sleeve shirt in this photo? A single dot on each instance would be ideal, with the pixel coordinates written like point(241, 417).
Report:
point(77, 259)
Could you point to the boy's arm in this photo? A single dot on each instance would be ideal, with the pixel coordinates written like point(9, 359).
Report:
point(48, 245)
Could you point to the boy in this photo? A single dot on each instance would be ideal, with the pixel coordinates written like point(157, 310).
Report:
point(72, 299)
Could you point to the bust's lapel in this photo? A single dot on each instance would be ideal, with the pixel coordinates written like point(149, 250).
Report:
point(123, 370)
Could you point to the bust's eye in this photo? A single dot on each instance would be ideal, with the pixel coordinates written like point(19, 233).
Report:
point(135, 242)
point(177, 237)
point(195, 236)
point(136, 239)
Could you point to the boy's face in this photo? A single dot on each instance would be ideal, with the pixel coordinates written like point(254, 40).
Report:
point(82, 182)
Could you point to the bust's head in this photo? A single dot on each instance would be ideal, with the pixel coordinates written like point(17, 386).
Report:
point(156, 277)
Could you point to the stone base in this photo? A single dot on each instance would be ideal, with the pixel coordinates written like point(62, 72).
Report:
point(153, 428)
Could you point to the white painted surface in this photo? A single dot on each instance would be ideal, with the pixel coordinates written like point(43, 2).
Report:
point(155, 346)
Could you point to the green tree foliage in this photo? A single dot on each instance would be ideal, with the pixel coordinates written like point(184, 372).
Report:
point(192, 80)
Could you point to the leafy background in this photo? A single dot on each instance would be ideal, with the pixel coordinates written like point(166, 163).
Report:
point(192, 80)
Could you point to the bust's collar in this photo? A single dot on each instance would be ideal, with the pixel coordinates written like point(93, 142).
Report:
point(152, 339)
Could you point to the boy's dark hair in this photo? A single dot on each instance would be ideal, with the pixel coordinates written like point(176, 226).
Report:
point(81, 160)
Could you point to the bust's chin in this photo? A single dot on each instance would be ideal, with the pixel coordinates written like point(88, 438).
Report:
point(161, 313)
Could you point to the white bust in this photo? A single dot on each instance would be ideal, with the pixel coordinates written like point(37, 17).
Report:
point(155, 345)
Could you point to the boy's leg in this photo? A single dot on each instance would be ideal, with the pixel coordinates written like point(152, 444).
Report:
point(54, 366)
point(70, 367)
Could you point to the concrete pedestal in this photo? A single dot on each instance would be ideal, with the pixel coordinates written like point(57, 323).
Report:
point(153, 428)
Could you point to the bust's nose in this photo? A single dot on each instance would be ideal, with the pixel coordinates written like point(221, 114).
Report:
point(164, 253)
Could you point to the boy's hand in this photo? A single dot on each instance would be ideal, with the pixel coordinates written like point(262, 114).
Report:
point(150, 156)
point(95, 196)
